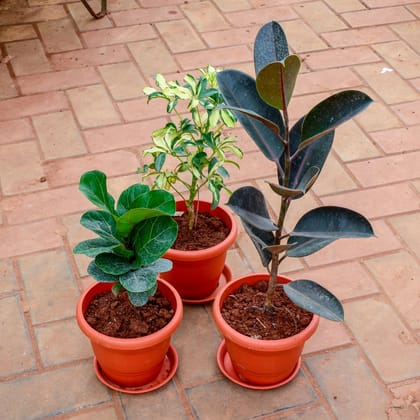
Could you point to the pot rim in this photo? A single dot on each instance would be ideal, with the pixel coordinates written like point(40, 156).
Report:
point(219, 248)
point(252, 343)
point(129, 343)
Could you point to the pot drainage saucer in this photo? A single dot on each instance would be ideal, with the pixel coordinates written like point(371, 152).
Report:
point(226, 367)
point(224, 278)
point(166, 373)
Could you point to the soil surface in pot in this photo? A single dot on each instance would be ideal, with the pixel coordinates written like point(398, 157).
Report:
point(209, 231)
point(116, 316)
point(244, 311)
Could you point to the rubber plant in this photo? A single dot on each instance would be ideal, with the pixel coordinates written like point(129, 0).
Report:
point(133, 235)
point(189, 154)
point(298, 154)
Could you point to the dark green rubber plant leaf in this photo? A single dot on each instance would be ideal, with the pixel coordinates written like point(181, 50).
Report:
point(99, 275)
point(94, 247)
point(93, 186)
point(314, 298)
point(312, 156)
point(276, 81)
point(129, 196)
point(112, 264)
point(153, 238)
point(332, 112)
point(249, 204)
point(100, 222)
point(239, 91)
point(262, 239)
point(270, 45)
point(323, 225)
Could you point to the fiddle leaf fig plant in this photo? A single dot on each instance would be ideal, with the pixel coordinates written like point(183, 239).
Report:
point(298, 154)
point(189, 154)
point(133, 234)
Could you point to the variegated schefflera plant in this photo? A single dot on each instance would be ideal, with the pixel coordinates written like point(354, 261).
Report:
point(298, 154)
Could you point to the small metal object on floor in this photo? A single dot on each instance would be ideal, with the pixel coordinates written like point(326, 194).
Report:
point(99, 15)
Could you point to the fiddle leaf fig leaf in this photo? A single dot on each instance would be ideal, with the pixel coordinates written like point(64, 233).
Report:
point(157, 199)
point(330, 113)
point(100, 222)
point(93, 186)
point(140, 299)
point(249, 204)
point(100, 275)
point(270, 45)
point(112, 264)
point(152, 239)
point(129, 196)
point(276, 81)
point(239, 91)
point(321, 226)
point(314, 298)
point(94, 247)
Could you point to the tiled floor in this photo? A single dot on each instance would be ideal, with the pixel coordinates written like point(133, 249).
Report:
point(71, 100)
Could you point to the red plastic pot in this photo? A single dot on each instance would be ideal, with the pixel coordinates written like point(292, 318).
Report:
point(130, 362)
point(195, 274)
point(260, 362)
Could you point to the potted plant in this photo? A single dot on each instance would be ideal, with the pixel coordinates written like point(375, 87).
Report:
point(129, 315)
point(263, 353)
point(188, 156)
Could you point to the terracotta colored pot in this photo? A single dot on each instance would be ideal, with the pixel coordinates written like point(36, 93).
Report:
point(130, 362)
point(260, 362)
point(195, 274)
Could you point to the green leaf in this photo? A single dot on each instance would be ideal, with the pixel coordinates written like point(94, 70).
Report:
point(249, 204)
point(239, 91)
point(93, 186)
point(116, 288)
point(276, 81)
point(261, 239)
point(152, 239)
point(270, 45)
point(99, 275)
point(94, 247)
point(321, 226)
point(139, 281)
point(100, 222)
point(332, 112)
point(140, 299)
point(112, 264)
point(129, 196)
point(160, 200)
point(315, 298)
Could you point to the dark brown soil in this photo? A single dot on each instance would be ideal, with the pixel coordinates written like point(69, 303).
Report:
point(243, 310)
point(116, 316)
point(209, 231)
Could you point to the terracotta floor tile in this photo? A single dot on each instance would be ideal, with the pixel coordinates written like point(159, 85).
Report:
point(360, 36)
point(408, 112)
point(383, 337)
point(345, 377)
point(45, 396)
point(104, 413)
point(16, 33)
point(59, 80)
point(59, 35)
point(301, 37)
point(32, 237)
point(139, 16)
point(204, 16)
point(397, 274)
point(68, 171)
point(187, 39)
point(74, 346)
point(15, 130)
point(59, 135)
point(386, 170)
point(380, 16)
point(32, 14)
point(228, 403)
point(340, 6)
point(320, 17)
point(403, 225)
point(28, 57)
point(102, 37)
point(123, 80)
point(383, 3)
point(378, 117)
point(409, 32)
point(232, 5)
point(84, 20)
point(7, 84)
point(259, 16)
point(139, 109)
point(92, 106)
point(228, 37)
point(311, 413)
point(398, 140)
point(20, 168)
point(39, 273)
point(16, 347)
point(7, 277)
